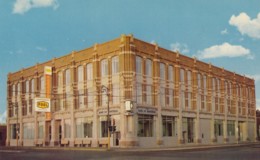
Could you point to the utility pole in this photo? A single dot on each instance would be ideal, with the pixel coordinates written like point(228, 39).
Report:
point(105, 90)
point(17, 129)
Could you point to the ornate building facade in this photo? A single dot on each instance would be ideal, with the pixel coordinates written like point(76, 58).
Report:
point(156, 98)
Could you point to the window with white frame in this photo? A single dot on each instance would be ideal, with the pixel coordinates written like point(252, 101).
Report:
point(145, 126)
point(60, 79)
point(115, 65)
point(148, 94)
point(169, 126)
point(170, 73)
point(104, 99)
point(27, 87)
point(18, 89)
point(148, 67)
point(84, 127)
point(231, 128)
point(218, 127)
point(28, 130)
point(90, 71)
point(139, 93)
point(138, 62)
point(182, 72)
point(42, 86)
point(171, 98)
point(116, 93)
point(67, 77)
point(104, 67)
point(32, 86)
point(162, 96)
point(13, 90)
point(81, 98)
point(40, 130)
point(162, 71)
point(90, 98)
point(80, 74)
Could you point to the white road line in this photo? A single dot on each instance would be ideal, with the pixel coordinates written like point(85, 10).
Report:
point(11, 151)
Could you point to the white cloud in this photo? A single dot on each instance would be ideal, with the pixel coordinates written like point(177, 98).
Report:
point(22, 6)
point(256, 77)
point(41, 49)
point(3, 117)
point(246, 25)
point(224, 50)
point(153, 42)
point(225, 31)
point(182, 48)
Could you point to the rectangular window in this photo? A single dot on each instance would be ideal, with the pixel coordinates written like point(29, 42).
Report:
point(67, 128)
point(90, 98)
point(13, 131)
point(149, 95)
point(115, 65)
point(171, 97)
point(27, 86)
point(28, 131)
point(170, 73)
point(104, 68)
point(162, 96)
point(231, 128)
point(145, 126)
point(81, 99)
point(104, 128)
point(218, 128)
point(89, 71)
point(32, 86)
point(84, 128)
point(139, 93)
point(169, 126)
point(60, 79)
point(116, 93)
point(18, 89)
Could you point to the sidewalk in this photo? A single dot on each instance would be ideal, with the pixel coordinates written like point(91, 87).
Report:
point(137, 149)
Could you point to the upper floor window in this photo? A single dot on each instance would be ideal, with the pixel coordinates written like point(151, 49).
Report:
point(204, 82)
point(67, 77)
point(42, 83)
point(189, 78)
point(60, 79)
point(13, 90)
point(18, 89)
point(170, 73)
point(104, 67)
point(115, 65)
point(80, 74)
point(89, 71)
point(138, 65)
point(32, 86)
point(27, 86)
point(182, 75)
point(162, 70)
point(199, 80)
point(148, 67)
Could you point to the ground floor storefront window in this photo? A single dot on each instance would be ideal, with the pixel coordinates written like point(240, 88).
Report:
point(188, 129)
point(84, 127)
point(13, 131)
point(40, 130)
point(67, 128)
point(231, 128)
point(28, 131)
point(145, 125)
point(169, 126)
point(218, 127)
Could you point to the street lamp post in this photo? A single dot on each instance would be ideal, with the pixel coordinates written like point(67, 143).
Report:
point(106, 90)
point(17, 129)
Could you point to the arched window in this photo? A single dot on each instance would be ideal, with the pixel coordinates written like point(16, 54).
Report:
point(67, 77)
point(80, 74)
point(104, 68)
point(89, 71)
point(115, 65)
point(138, 64)
point(162, 71)
point(170, 73)
point(148, 67)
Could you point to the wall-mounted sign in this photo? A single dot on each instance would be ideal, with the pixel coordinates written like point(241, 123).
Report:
point(47, 70)
point(148, 111)
point(112, 111)
point(42, 105)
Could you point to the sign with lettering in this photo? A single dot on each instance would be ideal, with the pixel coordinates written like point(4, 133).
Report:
point(112, 111)
point(47, 70)
point(42, 105)
point(148, 111)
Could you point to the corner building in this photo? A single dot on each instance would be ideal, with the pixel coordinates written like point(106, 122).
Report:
point(156, 98)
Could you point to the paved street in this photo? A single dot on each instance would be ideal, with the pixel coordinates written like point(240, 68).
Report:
point(251, 152)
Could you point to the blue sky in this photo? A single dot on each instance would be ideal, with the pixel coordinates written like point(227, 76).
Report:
point(225, 33)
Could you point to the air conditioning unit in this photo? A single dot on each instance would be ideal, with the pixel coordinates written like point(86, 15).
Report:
point(128, 106)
